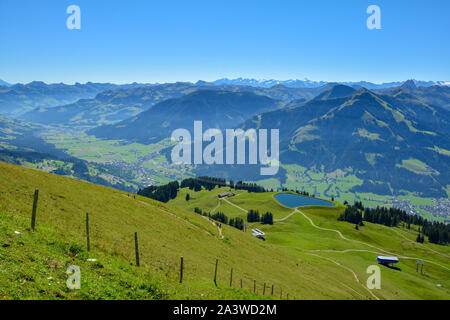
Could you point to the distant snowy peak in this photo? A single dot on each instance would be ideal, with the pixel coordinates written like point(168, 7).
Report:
point(267, 83)
point(4, 83)
point(306, 83)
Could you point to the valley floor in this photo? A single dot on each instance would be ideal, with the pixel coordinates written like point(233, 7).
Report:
point(138, 165)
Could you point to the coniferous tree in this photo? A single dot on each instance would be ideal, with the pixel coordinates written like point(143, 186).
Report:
point(267, 218)
point(220, 216)
point(437, 232)
point(253, 216)
point(237, 223)
point(162, 193)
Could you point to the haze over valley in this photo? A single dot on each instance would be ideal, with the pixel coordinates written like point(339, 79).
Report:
point(382, 144)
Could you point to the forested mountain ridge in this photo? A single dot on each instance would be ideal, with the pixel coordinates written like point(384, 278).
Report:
point(116, 105)
point(388, 143)
point(20, 98)
point(216, 109)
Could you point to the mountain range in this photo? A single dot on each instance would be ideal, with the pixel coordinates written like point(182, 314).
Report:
point(394, 139)
point(392, 142)
point(433, 95)
point(15, 100)
point(306, 83)
point(217, 109)
point(116, 105)
point(390, 145)
point(20, 98)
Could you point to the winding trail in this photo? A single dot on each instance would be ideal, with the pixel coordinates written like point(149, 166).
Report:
point(420, 244)
point(348, 269)
point(379, 249)
point(234, 205)
point(342, 236)
point(218, 205)
point(287, 217)
point(276, 220)
point(219, 229)
point(311, 252)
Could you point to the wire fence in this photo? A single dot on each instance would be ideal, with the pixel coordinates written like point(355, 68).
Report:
point(256, 287)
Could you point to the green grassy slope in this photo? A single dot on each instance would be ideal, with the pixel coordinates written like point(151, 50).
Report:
point(208, 200)
point(345, 256)
point(33, 265)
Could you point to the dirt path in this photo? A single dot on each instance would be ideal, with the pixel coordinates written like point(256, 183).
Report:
point(379, 249)
point(287, 217)
point(342, 236)
point(219, 229)
point(218, 205)
point(374, 252)
point(234, 205)
point(420, 244)
point(348, 269)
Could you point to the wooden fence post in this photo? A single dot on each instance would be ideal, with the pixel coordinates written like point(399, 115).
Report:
point(137, 248)
point(241, 283)
point(88, 237)
point(231, 277)
point(264, 290)
point(272, 290)
point(215, 272)
point(254, 286)
point(33, 214)
point(181, 270)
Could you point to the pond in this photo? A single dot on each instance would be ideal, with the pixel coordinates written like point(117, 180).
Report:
point(294, 200)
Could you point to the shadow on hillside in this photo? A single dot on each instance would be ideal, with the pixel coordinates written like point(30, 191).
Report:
point(390, 266)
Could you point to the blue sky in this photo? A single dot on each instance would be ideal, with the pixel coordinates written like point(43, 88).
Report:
point(167, 41)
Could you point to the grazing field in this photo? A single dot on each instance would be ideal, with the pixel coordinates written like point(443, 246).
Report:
point(33, 265)
point(309, 254)
point(208, 200)
point(316, 237)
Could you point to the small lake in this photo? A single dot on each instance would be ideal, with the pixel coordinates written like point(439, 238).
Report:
point(294, 200)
